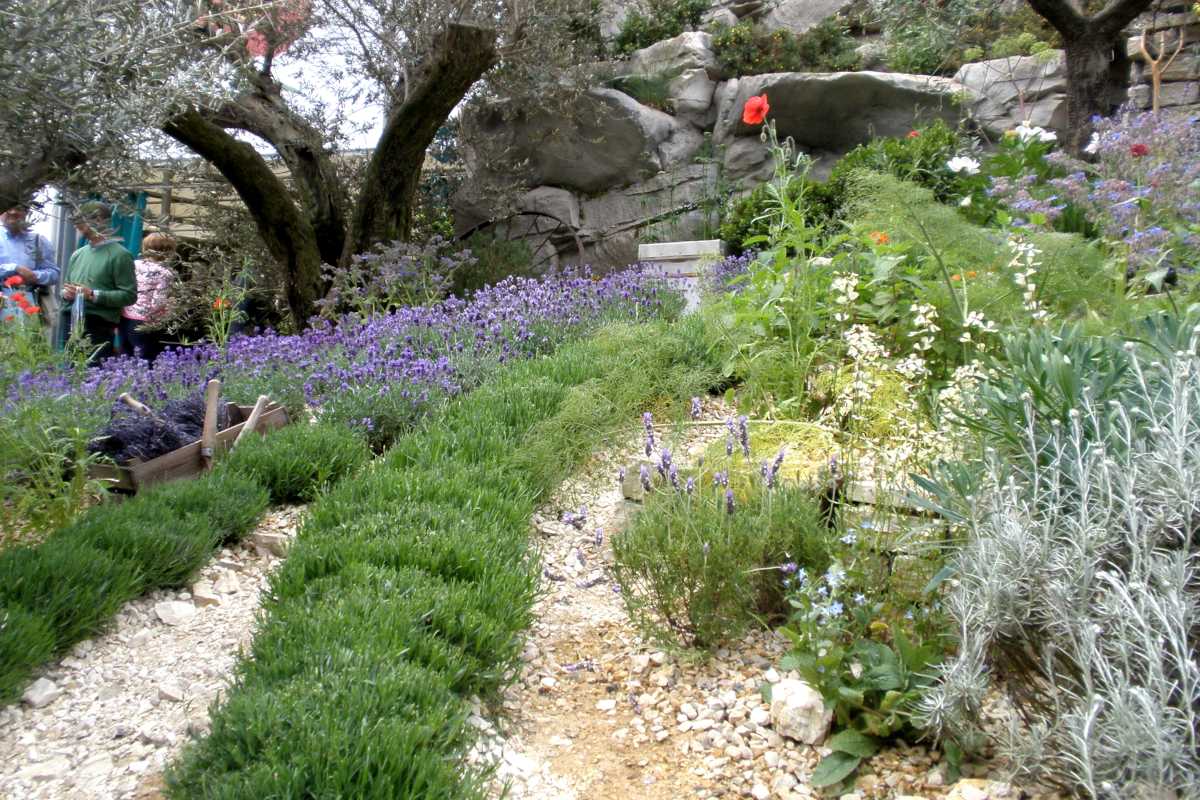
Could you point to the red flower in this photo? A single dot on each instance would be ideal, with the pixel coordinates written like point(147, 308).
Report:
point(220, 303)
point(879, 237)
point(1137, 150)
point(914, 134)
point(31, 309)
point(755, 110)
point(13, 280)
point(19, 298)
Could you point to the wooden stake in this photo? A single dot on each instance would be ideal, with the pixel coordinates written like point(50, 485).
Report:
point(1157, 67)
point(208, 438)
point(252, 420)
point(136, 404)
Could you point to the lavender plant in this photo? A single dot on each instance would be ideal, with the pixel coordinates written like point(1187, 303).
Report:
point(1076, 591)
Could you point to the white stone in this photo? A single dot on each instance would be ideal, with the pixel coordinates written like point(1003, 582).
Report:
point(171, 690)
point(227, 583)
point(41, 692)
point(51, 769)
point(174, 612)
point(798, 712)
point(204, 594)
point(760, 716)
point(275, 543)
point(978, 789)
point(606, 705)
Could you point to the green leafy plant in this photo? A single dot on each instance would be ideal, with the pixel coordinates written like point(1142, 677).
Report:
point(749, 49)
point(656, 20)
point(696, 567)
point(297, 462)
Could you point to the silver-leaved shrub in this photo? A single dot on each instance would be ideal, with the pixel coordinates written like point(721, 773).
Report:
point(1077, 592)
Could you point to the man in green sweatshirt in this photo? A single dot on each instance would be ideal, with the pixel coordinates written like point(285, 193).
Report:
point(101, 272)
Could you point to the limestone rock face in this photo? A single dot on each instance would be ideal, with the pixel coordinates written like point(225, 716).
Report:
point(691, 95)
point(1009, 91)
point(839, 110)
point(798, 712)
point(687, 51)
point(798, 16)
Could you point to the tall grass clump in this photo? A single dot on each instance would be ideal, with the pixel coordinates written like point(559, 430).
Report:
point(409, 587)
point(697, 568)
point(1076, 592)
point(297, 462)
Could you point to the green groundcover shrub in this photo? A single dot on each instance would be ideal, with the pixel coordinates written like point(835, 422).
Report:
point(408, 588)
point(697, 569)
point(656, 20)
point(750, 49)
point(69, 587)
point(297, 462)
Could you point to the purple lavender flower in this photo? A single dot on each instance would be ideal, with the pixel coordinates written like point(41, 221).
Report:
point(673, 476)
point(696, 410)
point(599, 540)
point(690, 486)
point(744, 434)
point(789, 568)
point(729, 437)
point(648, 424)
point(729, 501)
point(775, 467)
point(645, 476)
point(621, 476)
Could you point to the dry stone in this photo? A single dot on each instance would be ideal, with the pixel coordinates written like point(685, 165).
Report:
point(174, 612)
point(837, 111)
point(798, 16)
point(798, 712)
point(41, 692)
point(1012, 90)
point(687, 51)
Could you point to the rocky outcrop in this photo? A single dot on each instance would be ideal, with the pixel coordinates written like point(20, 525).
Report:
point(798, 16)
point(1009, 91)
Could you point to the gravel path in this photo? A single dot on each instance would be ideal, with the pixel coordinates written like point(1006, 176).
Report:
point(599, 712)
point(102, 722)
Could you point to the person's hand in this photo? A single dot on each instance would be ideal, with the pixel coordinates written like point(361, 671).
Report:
point(68, 292)
point(28, 275)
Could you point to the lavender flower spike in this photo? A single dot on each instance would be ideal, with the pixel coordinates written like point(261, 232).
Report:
point(645, 475)
point(744, 434)
point(696, 410)
point(690, 486)
point(729, 437)
point(729, 501)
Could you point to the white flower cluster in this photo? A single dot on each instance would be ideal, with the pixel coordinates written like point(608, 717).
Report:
point(924, 326)
point(962, 385)
point(977, 321)
point(845, 292)
point(1027, 132)
point(865, 353)
point(963, 164)
point(1024, 265)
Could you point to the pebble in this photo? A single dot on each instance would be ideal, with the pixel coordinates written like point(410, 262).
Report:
point(41, 693)
point(174, 612)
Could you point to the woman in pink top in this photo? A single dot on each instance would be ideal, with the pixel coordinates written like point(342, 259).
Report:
point(140, 334)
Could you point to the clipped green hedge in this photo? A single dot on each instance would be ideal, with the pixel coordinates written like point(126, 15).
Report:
point(69, 587)
point(408, 589)
point(298, 462)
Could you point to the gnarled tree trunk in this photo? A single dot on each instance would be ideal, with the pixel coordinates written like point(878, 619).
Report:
point(1097, 64)
point(384, 208)
point(288, 235)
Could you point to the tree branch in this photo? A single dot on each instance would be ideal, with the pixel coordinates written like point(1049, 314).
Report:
point(282, 226)
point(460, 56)
point(18, 184)
point(1063, 15)
point(1115, 16)
point(263, 113)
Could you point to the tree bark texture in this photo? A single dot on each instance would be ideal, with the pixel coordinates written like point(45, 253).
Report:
point(19, 184)
point(384, 208)
point(263, 113)
point(288, 235)
point(1096, 61)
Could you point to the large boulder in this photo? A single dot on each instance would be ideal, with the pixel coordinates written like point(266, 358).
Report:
point(609, 140)
point(1013, 90)
point(798, 16)
point(687, 51)
point(691, 96)
point(837, 111)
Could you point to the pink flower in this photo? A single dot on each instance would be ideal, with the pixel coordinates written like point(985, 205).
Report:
point(1138, 150)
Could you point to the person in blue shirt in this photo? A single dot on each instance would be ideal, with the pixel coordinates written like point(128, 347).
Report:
point(26, 254)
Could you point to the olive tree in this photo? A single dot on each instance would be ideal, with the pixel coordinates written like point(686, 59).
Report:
point(416, 60)
point(88, 81)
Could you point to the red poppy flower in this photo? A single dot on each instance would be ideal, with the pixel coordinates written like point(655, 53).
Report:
point(1137, 150)
point(220, 303)
point(914, 134)
point(19, 298)
point(8, 317)
point(879, 237)
point(755, 110)
point(13, 280)
point(31, 309)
